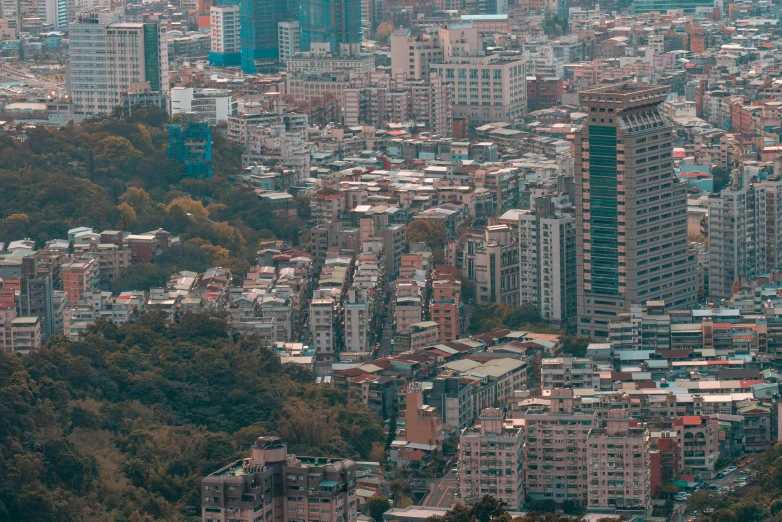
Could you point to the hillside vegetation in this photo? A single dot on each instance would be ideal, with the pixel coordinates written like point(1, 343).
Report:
point(122, 425)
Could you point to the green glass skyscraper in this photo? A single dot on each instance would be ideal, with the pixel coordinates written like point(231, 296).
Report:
point(335, 22)
point(258, 30)
point(631, 209)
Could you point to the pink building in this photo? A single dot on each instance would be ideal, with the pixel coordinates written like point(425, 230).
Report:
point(423, 425)
point(556, 448)
point(618, 466)
point(79, 277)
point(444, 308)
point(491, 460)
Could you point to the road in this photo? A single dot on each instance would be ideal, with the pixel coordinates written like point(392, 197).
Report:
point(443, 493)
point(388, 331)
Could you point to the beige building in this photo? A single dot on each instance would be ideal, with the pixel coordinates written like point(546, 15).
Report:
point(322, 330)
point(79, 277)
point(618, 466)
point(491, 460)
point(568, 372)
point(25, 334)
point(274, 486)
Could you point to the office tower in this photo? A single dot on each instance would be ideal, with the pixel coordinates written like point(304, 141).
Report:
point(110, 59)
point(224, 21)
point(618, 465)
point(275, 486)
point(334, 23)
point(744, 232)
point(190, 143)
point(631, 210)
point(258, 33)
point(491, 460)
point(288, 39)
point(547, 257)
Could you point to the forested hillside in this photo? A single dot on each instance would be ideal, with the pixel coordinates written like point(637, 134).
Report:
point(115, 174)
point(122, 425)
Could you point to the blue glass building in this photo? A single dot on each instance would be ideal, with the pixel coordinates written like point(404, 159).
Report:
point(335, 22)
point(190, 143)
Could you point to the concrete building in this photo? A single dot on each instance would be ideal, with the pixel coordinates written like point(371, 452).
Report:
point(225, 44)
point(451, 396)
point(547, 262)
point(618, 465)
point(631, 245)
point(567, 372)
point(109, 59)
point(322, 330)
point(698, 438)
point(79, 277)
point(445, 308)
point(744, 223)
point(556, 449)
point(7, 315)
point(413, 55)
point(216, 105)
point(486, 88)
point(274, 486)
point(491, 460)
point(493, 263)
point(358, 314)
point(25, 334)
point(423, 425)
point(289, 39)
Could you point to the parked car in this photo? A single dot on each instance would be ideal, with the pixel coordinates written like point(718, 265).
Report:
point(741, 484)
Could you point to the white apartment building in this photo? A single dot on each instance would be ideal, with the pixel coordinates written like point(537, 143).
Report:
point(744, 232)
point(109, 59)
point(322, 330)
point(357, 319)
point(491, 460)
point(288, 39)
point(217, 105)
point(547, 258)
point(225, 28)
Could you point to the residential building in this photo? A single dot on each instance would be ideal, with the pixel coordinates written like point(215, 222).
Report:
point(225, 28)
point(289, 39)
point(445, 308)
point(423, 425)
point(631, 246)
point(547, 260)
point(79, 277)
point(7, 315)
point(556, 449)
point(216, 105)
point(414, 54)
point(25, 334)
point(491, 460)
point(451, 396)
point(698, 438)
point(36, 294)
point(618, 465)
point(358, 315)
point(322, 329)
point(493, 263)
point(418, 336)
point(275, 486)
point(335, 24)
point(567, 372)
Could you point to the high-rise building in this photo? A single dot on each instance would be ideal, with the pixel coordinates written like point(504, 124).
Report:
point(258, 34)
point(631, 210)
point(547, 257)
point(556, 449)
point(744, 232)
point(618, 465)
point(110, 59)
point(336, 23)
point(80, 277)
point(55, 12)
point(224, 22)
point(275, 486)
point(288, 39)
point(491, 460)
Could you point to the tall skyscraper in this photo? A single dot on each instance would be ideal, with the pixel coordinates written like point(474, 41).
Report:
point(631, 210)
point(259, 39)
point(110, 59)
point(333, 22)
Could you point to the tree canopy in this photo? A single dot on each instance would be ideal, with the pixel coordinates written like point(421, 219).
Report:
point(124, 423)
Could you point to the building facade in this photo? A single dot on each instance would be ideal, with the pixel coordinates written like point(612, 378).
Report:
point(631, 210)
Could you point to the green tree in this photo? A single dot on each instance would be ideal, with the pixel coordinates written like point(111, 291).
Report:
point(488, 508)
point(376, 506)
point(721, 177)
